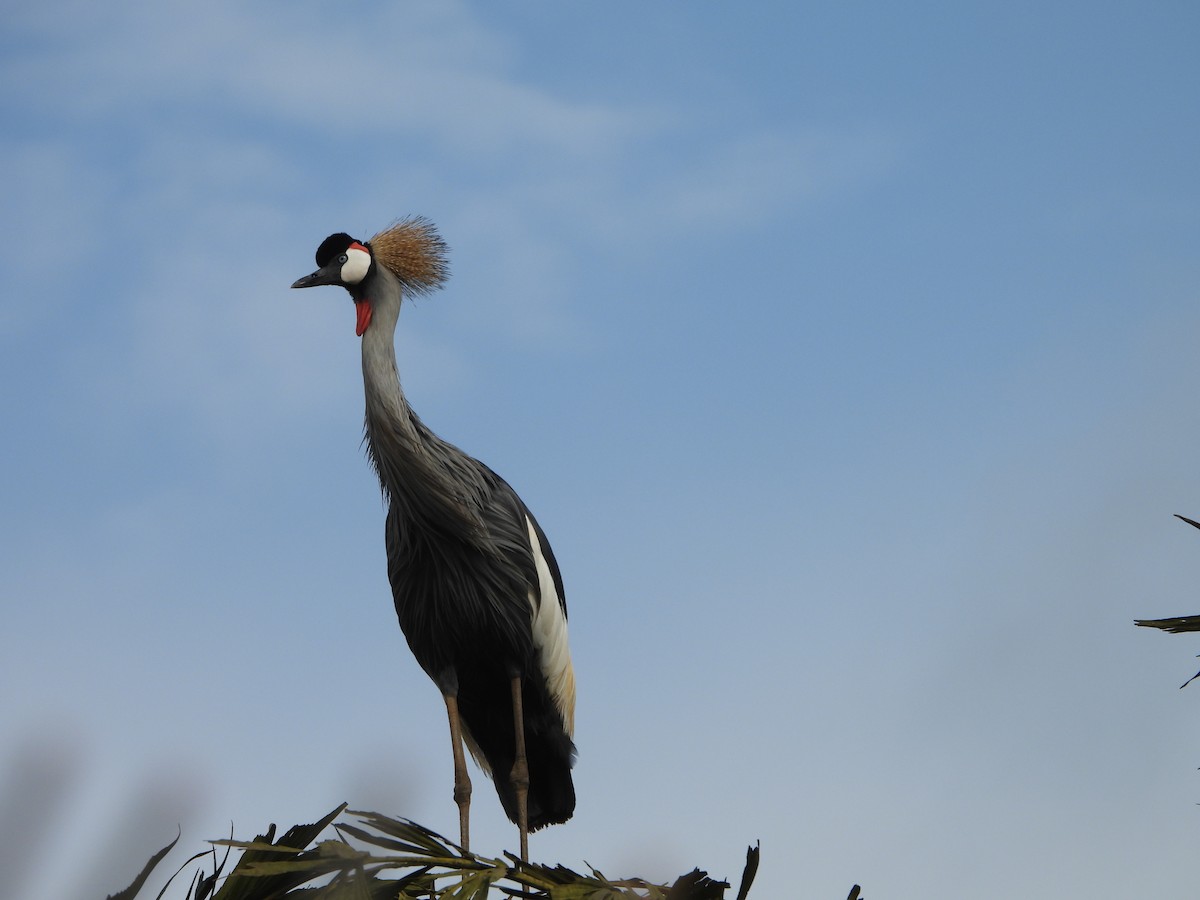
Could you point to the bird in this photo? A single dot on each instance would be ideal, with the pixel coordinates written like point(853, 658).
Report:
point(477, 590)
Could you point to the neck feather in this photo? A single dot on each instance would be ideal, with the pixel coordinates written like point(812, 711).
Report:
point(410, 460)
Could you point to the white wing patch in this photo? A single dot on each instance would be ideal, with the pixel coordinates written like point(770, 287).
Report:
point(550, 636)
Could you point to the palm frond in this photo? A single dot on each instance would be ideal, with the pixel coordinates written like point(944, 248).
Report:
point(130, 892)
point(1176, 624)
point(376, 857)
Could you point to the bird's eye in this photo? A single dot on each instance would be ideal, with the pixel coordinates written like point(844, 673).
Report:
point(343, 258)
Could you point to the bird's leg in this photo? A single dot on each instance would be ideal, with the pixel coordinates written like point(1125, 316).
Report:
point(519, 778)
point(462, 781)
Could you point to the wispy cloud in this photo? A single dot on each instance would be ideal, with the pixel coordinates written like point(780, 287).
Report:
point(195, 218)
point(425, 71)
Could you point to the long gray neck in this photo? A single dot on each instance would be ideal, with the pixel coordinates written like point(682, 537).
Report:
point(413, 464)
point(387, 409)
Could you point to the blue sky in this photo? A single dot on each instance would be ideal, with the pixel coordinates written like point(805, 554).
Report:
point(846, 353)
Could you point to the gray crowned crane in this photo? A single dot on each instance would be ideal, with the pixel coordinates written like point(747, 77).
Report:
point(477, 590)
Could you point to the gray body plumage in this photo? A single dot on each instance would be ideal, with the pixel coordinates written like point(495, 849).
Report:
point(463, 566)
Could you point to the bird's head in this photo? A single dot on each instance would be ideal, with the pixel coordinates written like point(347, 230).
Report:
point(410, 249)
point(343, 261)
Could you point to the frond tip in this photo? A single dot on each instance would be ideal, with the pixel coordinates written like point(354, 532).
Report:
point(414, 252)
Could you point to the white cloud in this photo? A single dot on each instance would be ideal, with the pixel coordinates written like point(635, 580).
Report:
point(418, 71)
point(192, 167)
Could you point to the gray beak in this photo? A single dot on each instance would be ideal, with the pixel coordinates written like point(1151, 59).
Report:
point(331, 274)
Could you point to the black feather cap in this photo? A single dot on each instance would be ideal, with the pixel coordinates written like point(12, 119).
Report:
point(333, 246)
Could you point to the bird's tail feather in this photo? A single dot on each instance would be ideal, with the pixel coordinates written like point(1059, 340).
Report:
point(551, 789)
point(549, 752)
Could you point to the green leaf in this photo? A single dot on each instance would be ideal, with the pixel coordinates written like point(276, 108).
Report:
point(386, 843)
point(242, 884)
point(749, 872)
point(409, 833)
point(130, 892)
point(696, 885)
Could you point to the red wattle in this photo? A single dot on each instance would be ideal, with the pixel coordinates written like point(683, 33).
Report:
point(362, 310)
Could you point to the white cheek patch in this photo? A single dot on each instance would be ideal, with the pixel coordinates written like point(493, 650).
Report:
point(356, 266)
